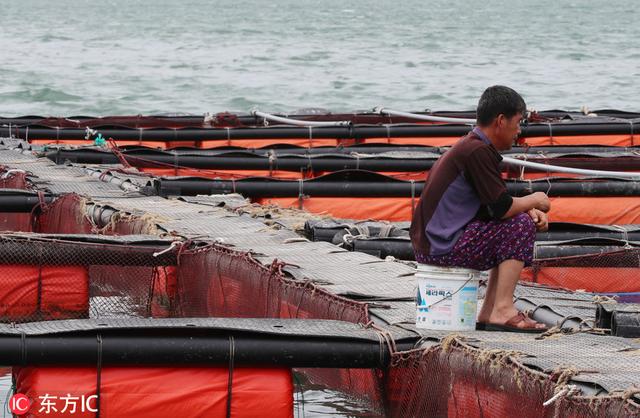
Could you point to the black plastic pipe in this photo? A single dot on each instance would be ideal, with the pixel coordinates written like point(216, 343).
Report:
point(554, 251)
point(248, 161)
point(546, 315)
point(382, 248)
point(577, 188)
point(403, 250)
point(625, 324)
point(65, 252)
point(385, 187)
point(194, 348)
point(20, 201)
point(591, 235)
point(328, 234)
point(348, 132)
point(96, 156)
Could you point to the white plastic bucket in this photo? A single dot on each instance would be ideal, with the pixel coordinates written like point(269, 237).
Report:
point(447, 298)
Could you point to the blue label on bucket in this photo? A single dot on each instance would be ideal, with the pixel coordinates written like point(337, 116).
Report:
point(468, 304)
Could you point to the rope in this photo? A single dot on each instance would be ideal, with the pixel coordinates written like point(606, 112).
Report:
point(362, 229)
point(550, 133)
point(632, 391)
point(385, 338)
point(524, 158)
point(566, 391)
point(171, 247)
point(118, 153)
point(603, 299)
point(232, 354)
point(310, 137)
point(6, 174)
point(300, 193)
point(348, 238)
point(385, 230)
point(98, 375)
point(625, 236)
point(388, 132)
point(273, 158)
point(41, 206)
point(152, 288)
point(169, 165)
point(228, 136)
point(632, 137)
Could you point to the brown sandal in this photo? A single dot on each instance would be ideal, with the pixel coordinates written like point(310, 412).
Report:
point(513, 325)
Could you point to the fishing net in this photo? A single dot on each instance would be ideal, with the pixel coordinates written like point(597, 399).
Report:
point(605, 272)
point(53, 277)
point(14, 179)
point(453, 379)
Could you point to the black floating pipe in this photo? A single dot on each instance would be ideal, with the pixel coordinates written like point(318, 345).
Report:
point(20, 201)
point(604, 315)
point(555, 251)
point(99, 156)
point(381, 187)
point(592, 235)
point(66, 252)
point(577, 188)
point(548, 316)
point(250, 161)
point(250, 188)
point(382, 248)
point(403, 250)
point(194, 348)
point(82, 156)
point(348, 132)
point(625, 324)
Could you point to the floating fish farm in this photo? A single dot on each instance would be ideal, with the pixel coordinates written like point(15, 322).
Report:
point(192, 265)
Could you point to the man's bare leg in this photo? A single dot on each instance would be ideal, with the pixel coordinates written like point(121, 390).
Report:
point(499, 296)
point(489, 296)
point(508, 276)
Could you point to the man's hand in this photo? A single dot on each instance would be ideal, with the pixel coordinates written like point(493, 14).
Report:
point(540, 219)
point(542, 201)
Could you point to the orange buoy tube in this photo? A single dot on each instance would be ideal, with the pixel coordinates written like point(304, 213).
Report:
point(157, 391)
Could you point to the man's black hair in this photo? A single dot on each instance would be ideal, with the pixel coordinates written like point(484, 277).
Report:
point(498, 100)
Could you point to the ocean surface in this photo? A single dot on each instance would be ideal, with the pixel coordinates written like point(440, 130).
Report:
point(91, 57)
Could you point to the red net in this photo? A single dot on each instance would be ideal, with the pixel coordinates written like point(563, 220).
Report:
point(608, 272)
point(14, 179)
point(43, 278)
point(453, 379)
point(216, 281)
